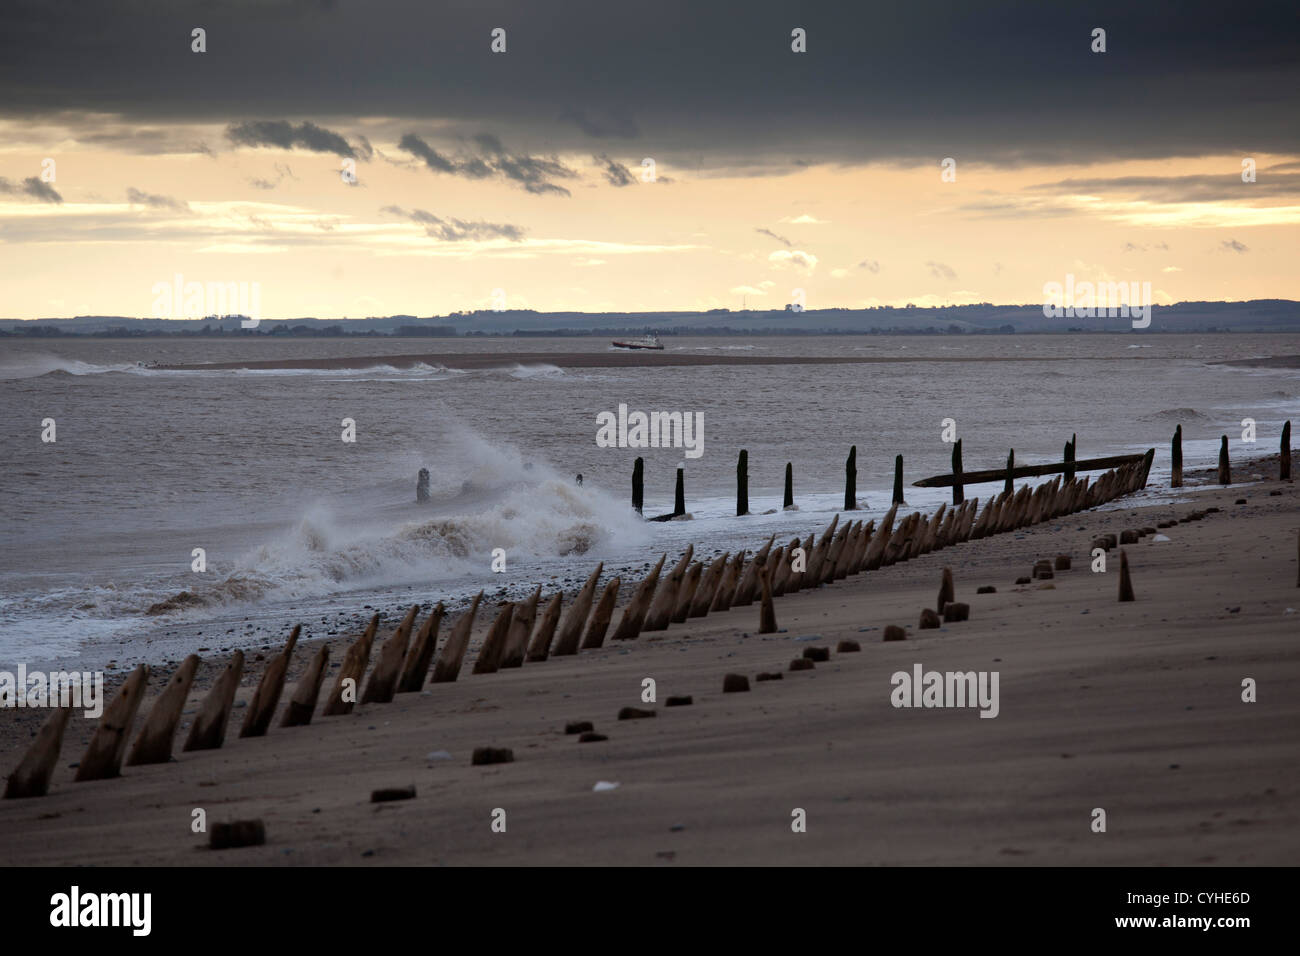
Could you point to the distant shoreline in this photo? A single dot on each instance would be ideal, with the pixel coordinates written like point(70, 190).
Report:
point(1272, 361)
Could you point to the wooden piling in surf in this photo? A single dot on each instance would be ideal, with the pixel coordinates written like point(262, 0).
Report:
point(742, 483)
point(1009, 485)
point(302, 704)
point(452, 655)
point(416, 668)
point(154, 744)
point(31, 778)
point(352, 669)
point(489, 654)
point(788, 501)
point(576, 619)
point(638, 485)
point(1225, 473)
point(601, 617)
point(257, 720)
point(540, 648)
point(679, 493)
point(851, 480)
point(103, 757)
point(208, 732)
point(898, 480)
point(1069, 457)
point(958, 492)
point(1284, 465)
point(1176, 453)
point(383, 679)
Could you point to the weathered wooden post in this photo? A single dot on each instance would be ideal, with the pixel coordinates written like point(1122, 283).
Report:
point(352, 669)
point(416, 668)
point(267, 696)
point(32, 777)
point(388, 669)
point(208, 732)
point(1284, 469)
point(742, 483)
point(154, 745)
point(1125, 581)
point(638, 485)
point(898, 480)
point(851, 480)
point(958, 493)
point(789, 480)
point(570, 632)
point(679, 495)
point(1008, 487)
point(1225, 474)
point(1069, 457)
point(1176, 480)
point(600, 618)
point(303, 702)
point(452, 655)
point(540, 648)
point(103, 756)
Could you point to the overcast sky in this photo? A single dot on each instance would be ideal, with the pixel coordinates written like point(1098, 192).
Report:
point(523, 171)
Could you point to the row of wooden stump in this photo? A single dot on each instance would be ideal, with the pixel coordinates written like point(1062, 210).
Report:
point(691, 590)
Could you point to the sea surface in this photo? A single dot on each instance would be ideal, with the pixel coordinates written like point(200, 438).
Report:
point(99, 528)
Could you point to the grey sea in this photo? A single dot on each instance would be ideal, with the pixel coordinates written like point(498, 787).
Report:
point(100, 526)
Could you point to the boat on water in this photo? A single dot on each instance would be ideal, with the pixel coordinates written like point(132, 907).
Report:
point(645, 342)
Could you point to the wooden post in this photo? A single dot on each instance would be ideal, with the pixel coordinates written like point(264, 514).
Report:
point(489, 654)
point(679, 495)
point(540, 649)
point(1125, 582)
point(789, 480)
point(629, 626)
point(898, 480)
point(417, 661)
point(1009, 486)
point(352, 669)
point(766, 614)
point(851, 480)
point(958, 493)
point(208, 732)
point(600, 619)
point(32, 776)
point(303, 702)
point(576, 619)
point(703, 599)
point(742, 483)
point(452, 655)
point(154, 745)
point(1176, 453)
point(1069, 457)
point(103, 756)
point(664, 601)
point(686, 595)
point(1284, 469)
point(638, 485)
point(383, 679)
point(257, 720)
point(1225, 474)
point(521, 629)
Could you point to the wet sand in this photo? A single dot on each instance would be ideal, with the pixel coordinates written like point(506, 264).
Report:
point(1135, 708)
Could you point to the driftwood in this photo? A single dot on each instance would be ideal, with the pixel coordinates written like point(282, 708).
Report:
point(571, 629)
point(31, 778)
point(416, 668)
point(154, 745)
point(521, 629)
point(629, 626)
point(302, 704)
point(262, 707)
point(489, 655)
point(352, 669)
point(452, 655)
point(540, 648)
point(601, 617)
point(103, 757)
point(383, 679)
point(208, 732)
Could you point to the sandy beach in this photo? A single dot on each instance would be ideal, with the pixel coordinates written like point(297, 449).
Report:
point(1135, 708)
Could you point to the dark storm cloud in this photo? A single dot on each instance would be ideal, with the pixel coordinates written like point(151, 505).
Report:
point(1001, 82)
point(615, 173)
point(455, 230)
point(31, 186)
point(771, 235)
point(534, 173)
point(137, 198)
point(285, 135)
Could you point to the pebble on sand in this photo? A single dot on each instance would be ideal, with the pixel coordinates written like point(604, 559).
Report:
point(929, 620)
point(591, 738)
point(986, 589)
point(1062, 563)
point(226, 836)
point(634, 713)
point(957, 611)
point(817, 653)
point(894, 633)
point(683, 701)
point(845, 647)
point(390, 794)
point(490, 755)
point(801, 664)
point(769, 675)
point(578, 726)
point(735, 683)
